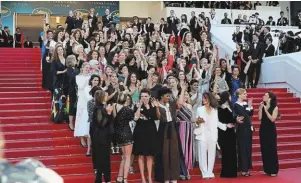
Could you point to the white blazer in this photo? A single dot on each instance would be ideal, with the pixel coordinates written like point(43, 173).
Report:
point(210, 120)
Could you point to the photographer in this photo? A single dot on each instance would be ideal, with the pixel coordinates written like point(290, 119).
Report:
point(248, 32)
point(286, 43)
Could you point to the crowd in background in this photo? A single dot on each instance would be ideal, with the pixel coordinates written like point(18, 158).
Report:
point(17, 41)
point(160, 92)
point(245, 5)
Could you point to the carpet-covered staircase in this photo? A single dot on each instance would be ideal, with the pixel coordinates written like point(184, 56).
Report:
point(25, 110)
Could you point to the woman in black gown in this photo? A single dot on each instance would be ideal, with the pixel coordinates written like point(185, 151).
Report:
point(47, 77)
point(267, 114)
point(102, 137)
point(227, 139)
point(145, 133)
point(123, 115)
point(243, 112)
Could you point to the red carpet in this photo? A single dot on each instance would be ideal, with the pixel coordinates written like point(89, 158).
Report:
point(25, 111)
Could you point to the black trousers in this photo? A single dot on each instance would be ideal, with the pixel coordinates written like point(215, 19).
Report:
point(101, 154)
point(254, 68)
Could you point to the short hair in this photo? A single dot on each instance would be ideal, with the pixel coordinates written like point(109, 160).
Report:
point(145, 90)
point(163, 91)
point(239, 91)
point(92, 77)
point(281, 12)
point(70, 60)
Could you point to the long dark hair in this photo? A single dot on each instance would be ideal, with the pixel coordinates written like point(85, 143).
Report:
point(273, 102)
point(211, 99)
point(225, 97)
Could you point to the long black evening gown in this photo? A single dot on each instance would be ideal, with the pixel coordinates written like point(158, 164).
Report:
point(244, 137)
point(227, 142)
point(47, 74)
point(268, 144)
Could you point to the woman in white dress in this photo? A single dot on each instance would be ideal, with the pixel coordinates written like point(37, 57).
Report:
point(81, 129)
point(207, 134)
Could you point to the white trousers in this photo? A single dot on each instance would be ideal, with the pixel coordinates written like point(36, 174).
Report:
point(206, 155)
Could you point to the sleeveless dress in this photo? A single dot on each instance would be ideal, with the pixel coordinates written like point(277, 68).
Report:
point(268, 144)
point(81, 122)
point(123, 133)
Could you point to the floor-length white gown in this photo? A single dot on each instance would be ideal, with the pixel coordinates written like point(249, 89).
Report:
point(81, 121)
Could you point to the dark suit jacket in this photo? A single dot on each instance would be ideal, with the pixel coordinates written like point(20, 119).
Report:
point(107, 20)
point(172, 24)
point(163, 28)
point(150, 28)
point(257, 53)
point(5, 37)
point(237, 21)
point(269, 50)
point(226, 21)
point(236, 37)
point(283, 23)
point(28, 44)
point(272, 23)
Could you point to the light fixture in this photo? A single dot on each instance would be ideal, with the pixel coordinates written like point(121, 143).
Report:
point(57, 19)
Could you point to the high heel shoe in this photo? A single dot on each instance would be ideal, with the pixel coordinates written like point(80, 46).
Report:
point(72, 129)
point(117, 181)
point(125, 180)
point(113, 150)
point(117, 150)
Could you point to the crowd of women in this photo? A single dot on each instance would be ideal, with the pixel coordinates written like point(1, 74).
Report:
point(159, 92)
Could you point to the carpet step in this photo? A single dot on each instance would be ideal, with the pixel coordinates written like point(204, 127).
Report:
point(283, 130)
point(87, 168)
point(21, 100)
point(27, 71)
point(32, 127)
point(285, 138)
point(33, 83)
point(278, 94)
point(16, 94)
point(40, 152)
point(34, 60)
point(26, 77)
point(78, 150)
point(115, 159)
point(13, 89)
point(280, 99)
point(30, 112)
point(21, 64)
point(281, 123)
point(282, 105)
point(285, 110)
point(24, 119)
point(21, 106)
point(283, 117)
point(264, 90)
point(18, 68)
point(19, 80)
point(34, 143)
point(36, 135)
